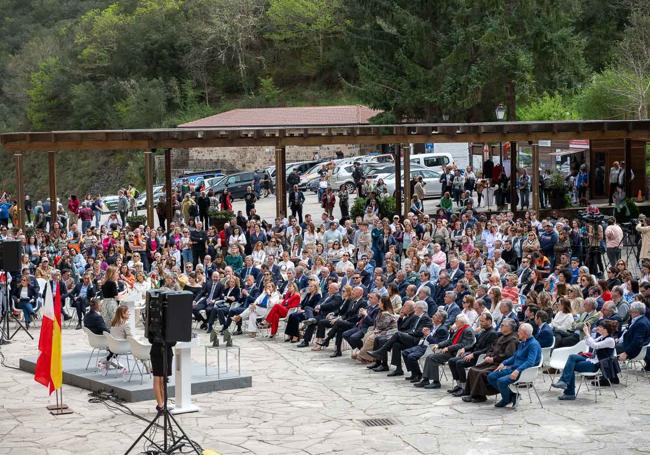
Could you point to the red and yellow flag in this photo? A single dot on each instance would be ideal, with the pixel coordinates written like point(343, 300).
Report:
point(49, 368)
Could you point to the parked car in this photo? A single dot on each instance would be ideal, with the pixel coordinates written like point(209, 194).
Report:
point(110, 203)
point(432, 189)
point(236, 183)
point(141, 200)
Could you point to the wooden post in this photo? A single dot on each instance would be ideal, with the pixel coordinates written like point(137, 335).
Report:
point(280, 181)
point(628, 167)
point(51, 164)
point(513, 176)
point(407, 180)
point(398, 179)
point(168, 186)
point(148, 182)
point(20, 190)
point(535, 179)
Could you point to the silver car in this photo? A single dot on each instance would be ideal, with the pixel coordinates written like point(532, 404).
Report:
point(432, 189)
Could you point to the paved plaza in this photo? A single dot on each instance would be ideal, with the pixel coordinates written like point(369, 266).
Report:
point(303, 402)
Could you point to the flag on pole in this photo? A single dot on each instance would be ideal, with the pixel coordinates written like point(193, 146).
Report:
point(49, 368)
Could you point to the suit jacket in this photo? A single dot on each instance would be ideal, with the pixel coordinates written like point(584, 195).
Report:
point(310, 301)
point(466, 340)
point(452, 310)
point(401, 288)
point(417, 323)
point(433, 306)
point(90, 293)
point(512, 315)
point(62, 289)
point(636, 336)
point(245, 271)
point(438, 336)
point(455, 275)
point(253, 292)
point(484, 342)
point(331, 304)
point(545, 336)
point(95, 323)
point(352, 313)
point(296, 199)
point(369, 319)
point(438, 294)
point(302, 282)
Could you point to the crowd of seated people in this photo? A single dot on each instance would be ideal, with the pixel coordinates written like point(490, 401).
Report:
point(481, 293)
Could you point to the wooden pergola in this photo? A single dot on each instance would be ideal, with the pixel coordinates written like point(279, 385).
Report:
point(150, 140)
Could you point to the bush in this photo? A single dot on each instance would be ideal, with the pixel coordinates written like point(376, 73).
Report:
point(219, 217)
point(627, 212)
point(387, 207)
point(136, 221)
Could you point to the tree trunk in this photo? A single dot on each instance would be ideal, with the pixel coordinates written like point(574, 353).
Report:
point(511, 102)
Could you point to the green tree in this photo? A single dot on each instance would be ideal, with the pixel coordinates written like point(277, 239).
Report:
point(549, 107)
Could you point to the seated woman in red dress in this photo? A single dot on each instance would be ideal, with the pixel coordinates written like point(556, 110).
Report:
point(280, 310)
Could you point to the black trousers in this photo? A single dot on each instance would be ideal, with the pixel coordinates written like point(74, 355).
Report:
point(297, 210)
point(458, 367)
point(377, 344)
point(218, 311)
point(395, 344)
point(354, 337)
point(161, 222)
point(80, 304)
point(201, 305)
point(612, 190)
point(337, 330)
point(203, 217)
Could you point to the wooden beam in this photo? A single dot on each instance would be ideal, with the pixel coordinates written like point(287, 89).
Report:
point(51, 165)
point(628, 166)
point(168, 186)
point(398, 179)
point(20, 191)
point(513, 176)
point(280, 182)
point(148, 182)
point(407, 179)
point(535, 179)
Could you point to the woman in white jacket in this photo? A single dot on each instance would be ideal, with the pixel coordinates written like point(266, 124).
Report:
point(259, 308)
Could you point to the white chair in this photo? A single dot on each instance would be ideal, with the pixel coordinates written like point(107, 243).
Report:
point(546, 357)
point(593, 376)
point(282, 324)
point(117, 347)
point(629, 364)
point(141, 353)
point(97, 342)
point(559, 357)
point(526, 379)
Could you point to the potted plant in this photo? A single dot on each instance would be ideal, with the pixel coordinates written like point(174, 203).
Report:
point(557, 187)
point(218, 218)
point(136, 221)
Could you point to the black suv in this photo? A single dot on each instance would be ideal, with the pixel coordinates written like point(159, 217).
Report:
point(236, 183)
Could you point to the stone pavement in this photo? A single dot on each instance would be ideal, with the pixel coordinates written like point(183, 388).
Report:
point(303, 402)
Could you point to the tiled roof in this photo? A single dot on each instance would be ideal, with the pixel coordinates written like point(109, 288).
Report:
point(288, 116)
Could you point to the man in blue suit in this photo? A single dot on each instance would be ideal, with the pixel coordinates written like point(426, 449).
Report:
point(527, 355)
point(249, 269)
point(637, 334)
point(451, 308)
point(544, 336)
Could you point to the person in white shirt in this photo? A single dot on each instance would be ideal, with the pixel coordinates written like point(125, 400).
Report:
point(344, 264)
point(259, 308)
point(563, 319)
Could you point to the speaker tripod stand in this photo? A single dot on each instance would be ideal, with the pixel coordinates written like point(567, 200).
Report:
point(172, 442)
point(7, 314)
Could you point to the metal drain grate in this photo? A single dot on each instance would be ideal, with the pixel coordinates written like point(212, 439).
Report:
point(378, 422)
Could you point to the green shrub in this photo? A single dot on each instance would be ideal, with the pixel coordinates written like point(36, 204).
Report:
point(136, 221)
point(387, 207)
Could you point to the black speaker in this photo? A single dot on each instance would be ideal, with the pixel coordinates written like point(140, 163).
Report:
point(168, 316)
point(178, 316)
point(10, 252)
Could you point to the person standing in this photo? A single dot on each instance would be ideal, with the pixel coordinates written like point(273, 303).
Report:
point(73, 208)
point(613, 180)
point(524, 189)
point(296, 200)
point(28, 208)
point(418, 190)
point(198, 240)
point(122, 206)
point(344, 204)
point(226, 200)
point(357, 176)
point(257, 183)
point(613, 239)
point(203, 202)
point(328, 201)
point(250, 199)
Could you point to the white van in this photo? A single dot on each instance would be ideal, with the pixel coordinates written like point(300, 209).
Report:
point(443, 155)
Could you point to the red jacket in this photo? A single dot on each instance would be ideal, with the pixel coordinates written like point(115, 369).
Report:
point(291, 301)
point(73, 205)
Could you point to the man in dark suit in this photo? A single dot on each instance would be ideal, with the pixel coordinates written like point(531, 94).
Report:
point(212, 290)
point(81, 295)
point(345, 321)
point(523, 274)
point(354, 336)
point(330, 303)
point(249, 269)
point(424, 295)
point(404, 323)
point(93, 320)
point(57, 282)
point(455, 271)
point(401, 283)
point(461, 337)
point(301, 279)
point(467, 357)
point(439, 290)
point(507, 312)
point(451, 307)
point(544, 335)
point(406, 339)
point(296, 200)
point(435, 335)
point(637, 334)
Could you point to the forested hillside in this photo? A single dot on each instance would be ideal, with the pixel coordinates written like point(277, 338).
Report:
point(85, 64)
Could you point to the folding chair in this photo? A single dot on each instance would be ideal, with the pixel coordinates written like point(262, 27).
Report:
point(595, 376)
point(559, 357)
point(97, 342)
point(546, 357)
point(629, 364)
point(527, 380)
